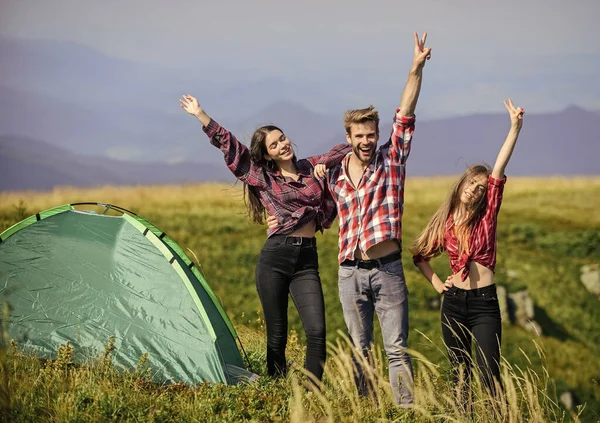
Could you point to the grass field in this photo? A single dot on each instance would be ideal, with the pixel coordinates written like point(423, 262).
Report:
point(548, 229)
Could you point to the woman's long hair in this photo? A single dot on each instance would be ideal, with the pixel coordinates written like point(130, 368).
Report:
point(258, 150)
point(431, 241)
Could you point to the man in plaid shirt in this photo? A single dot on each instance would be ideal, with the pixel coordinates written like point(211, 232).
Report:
point(368, 188)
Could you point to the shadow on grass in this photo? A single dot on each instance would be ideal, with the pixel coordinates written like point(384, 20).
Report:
point(549, 326)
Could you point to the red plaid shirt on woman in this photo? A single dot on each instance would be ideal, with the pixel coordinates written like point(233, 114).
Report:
point(293, 203)
point(482, 238)
point(371, 212)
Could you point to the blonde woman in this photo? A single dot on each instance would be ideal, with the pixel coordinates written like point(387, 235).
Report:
point(465, 227)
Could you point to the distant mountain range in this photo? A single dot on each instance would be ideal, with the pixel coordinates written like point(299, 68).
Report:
point(27, 164)
point(566, 143)
point(71, 115)
point(563, 143)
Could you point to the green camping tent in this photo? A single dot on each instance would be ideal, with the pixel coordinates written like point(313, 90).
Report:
point(83, 276)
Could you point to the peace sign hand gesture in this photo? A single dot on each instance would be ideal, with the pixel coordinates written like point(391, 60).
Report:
point(515, 113)
point(421, 53)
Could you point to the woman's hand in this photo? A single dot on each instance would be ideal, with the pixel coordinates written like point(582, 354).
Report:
point(516, 122)
point(271, 222)
point(449, 282)
point(190, 104)
point(443, 287)
point(515, 113)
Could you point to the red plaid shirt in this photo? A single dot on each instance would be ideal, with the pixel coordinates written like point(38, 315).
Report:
point(294, 203)
point(482, 239)
point(371, 212)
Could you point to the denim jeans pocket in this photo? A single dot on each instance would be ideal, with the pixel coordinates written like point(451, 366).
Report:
point(491, 298)
point(273, 243)
point(489, 294)
point(345, 272)
point(447, 297)
point(394, 268)
point(449, 294)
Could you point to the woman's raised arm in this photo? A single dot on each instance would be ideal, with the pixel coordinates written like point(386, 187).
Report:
point(516, 122)
point(236, 154)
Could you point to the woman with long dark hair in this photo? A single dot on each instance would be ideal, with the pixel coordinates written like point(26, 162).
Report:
point(465, 227)
point(278, 184)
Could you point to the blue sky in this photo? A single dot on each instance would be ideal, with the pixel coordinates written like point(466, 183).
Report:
point(545, 54)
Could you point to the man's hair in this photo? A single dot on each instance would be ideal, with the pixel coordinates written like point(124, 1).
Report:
point(361, 116)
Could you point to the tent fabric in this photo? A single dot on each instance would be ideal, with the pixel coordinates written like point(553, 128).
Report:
point(76, 276)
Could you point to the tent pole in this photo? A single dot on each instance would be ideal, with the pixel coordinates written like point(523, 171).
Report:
point(245, 355)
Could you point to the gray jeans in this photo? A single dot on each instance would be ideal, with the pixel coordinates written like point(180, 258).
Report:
point(383, 290)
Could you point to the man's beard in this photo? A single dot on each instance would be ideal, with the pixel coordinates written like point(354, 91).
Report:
point(361, 155)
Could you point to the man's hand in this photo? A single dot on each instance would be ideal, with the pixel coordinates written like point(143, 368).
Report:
point(516, 114)
point(190, 105)
point(421, 53)
point(320, 170)
point(272, 222)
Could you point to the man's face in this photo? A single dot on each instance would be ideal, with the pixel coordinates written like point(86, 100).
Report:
point(363, 138)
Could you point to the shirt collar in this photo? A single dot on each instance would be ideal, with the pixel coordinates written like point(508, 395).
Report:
point(300, 167)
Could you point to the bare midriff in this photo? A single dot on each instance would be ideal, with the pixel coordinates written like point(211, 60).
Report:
point(307, 230)
point(479, 276)
point(377, 251)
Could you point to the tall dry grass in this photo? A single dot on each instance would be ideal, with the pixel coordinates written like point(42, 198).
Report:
point(526, 396)
point(542, 219)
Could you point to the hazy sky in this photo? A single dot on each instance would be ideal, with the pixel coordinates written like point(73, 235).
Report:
point(546, 50)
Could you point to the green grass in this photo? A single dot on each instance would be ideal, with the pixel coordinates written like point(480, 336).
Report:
point(548, 229)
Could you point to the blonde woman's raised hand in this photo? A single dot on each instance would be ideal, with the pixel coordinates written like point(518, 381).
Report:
point(515, 113)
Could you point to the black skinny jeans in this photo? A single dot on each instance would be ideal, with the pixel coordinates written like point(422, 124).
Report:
point(291, 264)
point(468, 314)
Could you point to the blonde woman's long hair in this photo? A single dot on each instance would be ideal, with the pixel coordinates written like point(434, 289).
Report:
point(431, 241)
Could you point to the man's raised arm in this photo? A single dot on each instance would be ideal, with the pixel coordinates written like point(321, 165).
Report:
point(413, 85)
